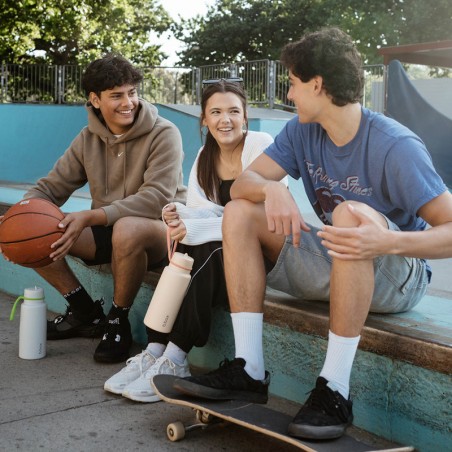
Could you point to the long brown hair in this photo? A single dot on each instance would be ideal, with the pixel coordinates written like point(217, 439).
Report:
point(207, 174)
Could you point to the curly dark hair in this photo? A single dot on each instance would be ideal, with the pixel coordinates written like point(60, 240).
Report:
point(107, 72)
point(331, 54)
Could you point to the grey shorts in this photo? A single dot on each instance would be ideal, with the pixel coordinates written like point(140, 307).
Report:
point(304, 272)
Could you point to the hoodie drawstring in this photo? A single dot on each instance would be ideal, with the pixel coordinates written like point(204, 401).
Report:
point(124, 172)
point(106, 165)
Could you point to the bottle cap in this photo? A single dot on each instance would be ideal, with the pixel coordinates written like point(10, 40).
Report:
point(34, 293)
point(31, 293)
point(183, 261)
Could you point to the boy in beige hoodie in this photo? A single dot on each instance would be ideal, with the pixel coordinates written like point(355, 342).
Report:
point(132, 160)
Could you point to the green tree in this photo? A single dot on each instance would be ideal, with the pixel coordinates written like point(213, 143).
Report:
point(77, 31)
point(239, 30)
point(392, 22)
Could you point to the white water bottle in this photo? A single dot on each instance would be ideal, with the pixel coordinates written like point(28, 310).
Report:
point(33, 324)
point(169, 293)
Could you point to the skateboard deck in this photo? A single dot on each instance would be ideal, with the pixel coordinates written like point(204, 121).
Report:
point(249, 415)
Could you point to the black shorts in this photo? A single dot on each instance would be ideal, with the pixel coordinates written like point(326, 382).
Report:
point(102, 237)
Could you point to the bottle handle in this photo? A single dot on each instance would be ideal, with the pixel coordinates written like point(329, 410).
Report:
point(13, 310)
point(22, 297)
point(171, 246)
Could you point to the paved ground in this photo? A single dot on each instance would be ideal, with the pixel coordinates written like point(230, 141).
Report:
point(58, 403)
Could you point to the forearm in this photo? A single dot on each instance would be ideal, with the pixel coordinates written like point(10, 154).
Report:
point(95, 217)
point(433, 243)
point(251, 186)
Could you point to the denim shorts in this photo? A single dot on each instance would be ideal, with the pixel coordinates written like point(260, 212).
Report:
point(304, 272)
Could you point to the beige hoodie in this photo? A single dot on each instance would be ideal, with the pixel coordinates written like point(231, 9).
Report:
point(135, 174)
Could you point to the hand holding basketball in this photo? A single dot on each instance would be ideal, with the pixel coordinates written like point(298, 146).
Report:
point(28, 229)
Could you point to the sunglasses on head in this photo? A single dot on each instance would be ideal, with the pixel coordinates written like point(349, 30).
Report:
point(218, 80)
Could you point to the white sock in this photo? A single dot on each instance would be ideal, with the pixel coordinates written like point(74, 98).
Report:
point(248, 341)
point(156, 349)
point(175, 354)
point(339, 361)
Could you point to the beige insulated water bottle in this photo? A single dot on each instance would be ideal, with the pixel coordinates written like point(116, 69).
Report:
point(169, 293)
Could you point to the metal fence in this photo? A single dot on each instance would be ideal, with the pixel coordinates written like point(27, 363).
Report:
point(41, 84)
point(266, 83)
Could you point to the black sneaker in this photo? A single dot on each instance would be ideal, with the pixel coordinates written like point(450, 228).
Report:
point(73, 324)
point(229, 382)
point(115, 344)
point(325, 415)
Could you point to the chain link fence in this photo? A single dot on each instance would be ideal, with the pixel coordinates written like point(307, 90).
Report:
point(265, 81)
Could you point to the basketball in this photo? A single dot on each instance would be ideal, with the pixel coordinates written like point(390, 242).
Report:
point(28, 229)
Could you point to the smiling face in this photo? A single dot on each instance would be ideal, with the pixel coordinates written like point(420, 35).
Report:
point(225, 116)
point(118, 106)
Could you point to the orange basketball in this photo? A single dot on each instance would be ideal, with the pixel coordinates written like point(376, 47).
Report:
point(28, 229)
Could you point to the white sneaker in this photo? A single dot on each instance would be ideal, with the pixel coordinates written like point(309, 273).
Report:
point(141, 389)
point(135, 367)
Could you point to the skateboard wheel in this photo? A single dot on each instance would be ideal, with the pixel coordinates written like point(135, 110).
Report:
point(175, 431)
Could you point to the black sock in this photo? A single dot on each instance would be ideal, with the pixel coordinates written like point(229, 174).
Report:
point(79, 300)
point(117, 312)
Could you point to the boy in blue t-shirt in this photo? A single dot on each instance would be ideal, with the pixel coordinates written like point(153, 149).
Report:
point(372, 183)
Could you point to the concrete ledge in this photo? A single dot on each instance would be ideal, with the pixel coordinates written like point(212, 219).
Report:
point(422, 336)
point(151, 278)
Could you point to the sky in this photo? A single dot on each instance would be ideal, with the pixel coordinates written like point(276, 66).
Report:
point(185, 9)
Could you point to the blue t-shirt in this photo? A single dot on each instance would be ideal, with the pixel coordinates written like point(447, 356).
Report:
point(385, 166)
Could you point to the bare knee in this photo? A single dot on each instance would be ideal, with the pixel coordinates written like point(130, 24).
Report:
point(344, 217)
point(241, 217)
point(135, 234)
point(236, 211)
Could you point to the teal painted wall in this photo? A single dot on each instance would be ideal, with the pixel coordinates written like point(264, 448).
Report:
point(271, 126)
point(32, 138)
point(189, 129)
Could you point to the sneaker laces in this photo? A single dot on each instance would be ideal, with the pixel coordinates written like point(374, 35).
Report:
point(222, 367)
point(228, 373)
point(139, 361)
point(326, 400)
point(159, 367)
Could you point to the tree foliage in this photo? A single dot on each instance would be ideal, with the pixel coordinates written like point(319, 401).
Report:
point(239, 30)
point(77, 31)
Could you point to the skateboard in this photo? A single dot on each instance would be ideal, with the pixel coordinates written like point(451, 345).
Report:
point(253, 416)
